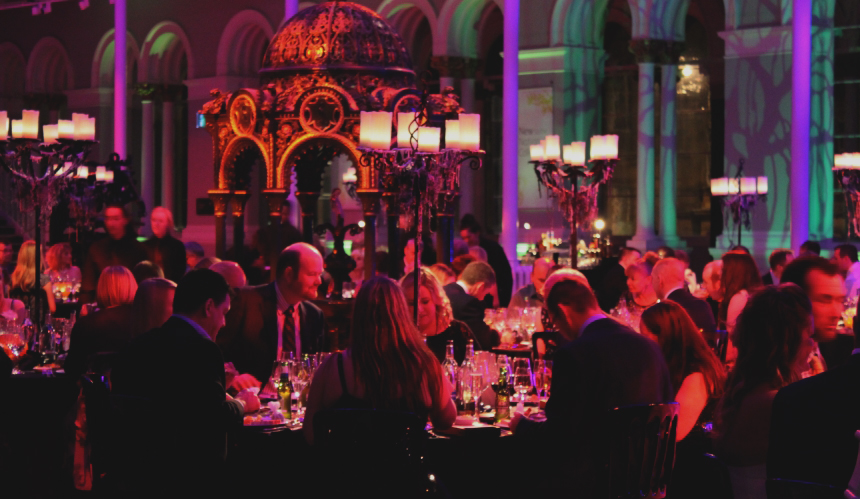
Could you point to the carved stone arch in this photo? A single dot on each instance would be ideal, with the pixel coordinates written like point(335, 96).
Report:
point(12, 71)
point(578, 22)
point(49, 70)
point(101, 74)
point(242, 44)
point(393, 11)
point(658, 21)
point(162, 53)
point(457, 33)
point(298, 149)
point(241, 149)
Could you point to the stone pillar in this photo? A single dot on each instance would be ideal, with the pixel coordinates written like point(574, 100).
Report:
point(395, 251)
point(147, 154)
point(510, 129)
point(801, 40)
point(467, 101)
point(308, 204)
point(120, 85)
point(668, 156)
point(220, 198)
point(274, 200)
point(168, 136)
point(370, 205)
point(237, 208)
point(821, 130)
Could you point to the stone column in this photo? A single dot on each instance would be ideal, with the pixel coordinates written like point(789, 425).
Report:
point(510, 129)
point(821, 130)
point(274, 200)
point(308, 204)
point(395, 251)
point(147, 154)
point(668, 156)
point(237, 208)
point(120, 85)
point(168, 137)
point(466, 201)
point(801, 53)
point(220, 198)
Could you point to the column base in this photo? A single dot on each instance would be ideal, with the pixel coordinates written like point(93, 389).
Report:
point(645, 242)
point(673, 242)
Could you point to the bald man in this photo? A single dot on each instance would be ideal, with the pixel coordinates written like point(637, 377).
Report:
point(531, 295)
point(667, 278)
point(276, 319)
point(232, 272)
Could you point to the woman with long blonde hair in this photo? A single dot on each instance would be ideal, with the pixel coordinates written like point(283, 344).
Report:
point(24, 286)
point(387, 365)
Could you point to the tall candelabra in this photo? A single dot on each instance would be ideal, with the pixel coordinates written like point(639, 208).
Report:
point(422, 172)
point(847, 167)
point(740, 195)
point(43, 168)
point(559, 170)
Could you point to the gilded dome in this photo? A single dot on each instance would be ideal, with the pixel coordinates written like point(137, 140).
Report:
point(336, 35)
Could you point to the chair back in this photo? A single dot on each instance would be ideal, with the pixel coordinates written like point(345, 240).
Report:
point(641, 450)
point(718, 341)
point(374, 449)
point(778, 488)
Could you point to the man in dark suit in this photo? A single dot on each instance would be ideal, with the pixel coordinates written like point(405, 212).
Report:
point(605, 365)
point(777, 261)
point(470, 231)
point(473, 293)
point(120, 247)
point(179, 371)
point(669, 284)
point(812, 427)
point(277, 318)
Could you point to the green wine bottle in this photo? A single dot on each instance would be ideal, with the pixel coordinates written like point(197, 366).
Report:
point(285, 391)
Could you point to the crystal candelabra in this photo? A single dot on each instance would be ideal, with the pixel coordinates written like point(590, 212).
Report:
point(559, 170)
point(740, 195)
point(847, 167)
point(423, 171)
point(43, 168)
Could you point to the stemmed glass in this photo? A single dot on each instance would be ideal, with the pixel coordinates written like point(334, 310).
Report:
point(543, 377)
point(481, 377)
point(523, 381)
point(300, 377)
point(14, 343)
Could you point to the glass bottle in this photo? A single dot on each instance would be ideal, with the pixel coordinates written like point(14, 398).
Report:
point(285, 395)
point(449, 365)
point(48, 344)
point(503, 392)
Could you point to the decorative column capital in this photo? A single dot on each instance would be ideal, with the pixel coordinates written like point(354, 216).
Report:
point(274, 200)
point(656, 51)
point(220, 198)
point(369, 201)
point(237, 202)
point(308, 202)
point(454, 66)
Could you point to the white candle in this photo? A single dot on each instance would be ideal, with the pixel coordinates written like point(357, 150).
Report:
point(382, 131)
point(65, 129)
point(49, 134)
point(404, 119)
point(364, 132)
point(567, 154)
point(4, 125)
point(854, 162)
point(578, 153)
point(553, 148)
point(18, 129)
point(734, 186)
point(761, 186)
point(719, 186)
point(452, 134)
point(536, 152)
point(428, 139)
point(83, 172)
point(30, 121)
point(597, 147)
point(100, 173)
point(611, 143)
point(67, 168)
point(748, 185)
point(350, 176)
point(470, 132)
point(79, 121)
point(109, 176)
point(89, 129)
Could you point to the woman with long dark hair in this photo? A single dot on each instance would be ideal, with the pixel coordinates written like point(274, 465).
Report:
point(696, 372)
point(740, 278)
point(387, 365)
point(774, 340)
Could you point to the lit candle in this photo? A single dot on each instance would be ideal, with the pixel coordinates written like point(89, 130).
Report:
point(18, 129)
point(365, 132)
point(50, 134)
point(748, 185)
point(78, 120)
point(470, 132)
point(428, 139)
point(30, 121)
point(553, 149)
point(4, 125)
point(761, 186)
point(578, 153)
point(719, 186)
point(404, 119)
point(109, 176)
point(611, 144)
point(100, 173)
point(382, 131)
point(567, 154)
point(83, 172)
point(452, 134)
point(65, 129)
point(67, 168)
point(350, 176)
point(839, 162)
point(536, 152)
point(597, 147)
point(854, 162)
point(89, 129)
point(734, 186)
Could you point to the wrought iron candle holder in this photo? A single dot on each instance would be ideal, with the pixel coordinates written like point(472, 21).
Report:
point(847, 168)
point(740, 195)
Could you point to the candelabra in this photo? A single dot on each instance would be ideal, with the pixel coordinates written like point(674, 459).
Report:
point(559, 169)
point(43, 169)
point(847, 167)
point(740, 195)
point(419, 173)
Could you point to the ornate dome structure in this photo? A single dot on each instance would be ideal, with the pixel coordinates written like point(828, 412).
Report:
point(336, 35)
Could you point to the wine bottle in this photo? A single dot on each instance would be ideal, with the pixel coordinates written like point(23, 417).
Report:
point(285, 395)
point(503, 393)
point(450, 367)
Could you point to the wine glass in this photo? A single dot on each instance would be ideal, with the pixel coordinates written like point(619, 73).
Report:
point(543, 377)
point(14, 343)
point(523, 381)
point(478, 382)
point(299, 378)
